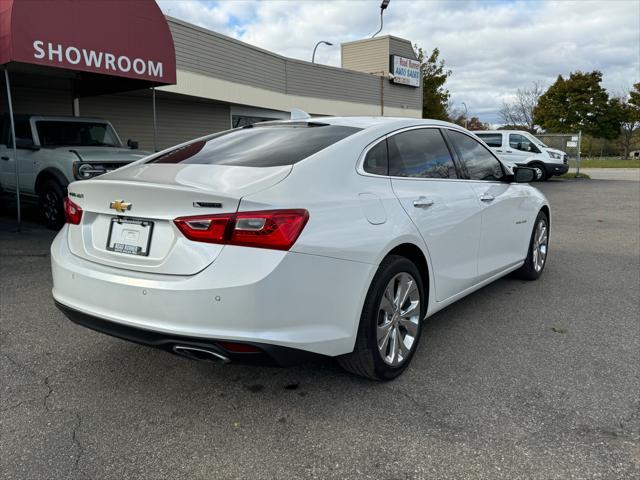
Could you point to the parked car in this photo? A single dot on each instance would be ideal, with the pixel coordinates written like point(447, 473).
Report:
point(278, 240)
point(523, 149)
point(55, 151)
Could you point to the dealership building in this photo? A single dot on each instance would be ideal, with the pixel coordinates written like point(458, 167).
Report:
point(162, 81)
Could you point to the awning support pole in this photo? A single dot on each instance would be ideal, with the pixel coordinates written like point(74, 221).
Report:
point(155, 123)
point(15, 151)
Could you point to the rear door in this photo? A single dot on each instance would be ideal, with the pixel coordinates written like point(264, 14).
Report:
point(505, 209)
point(26, 165)
point(444, 208)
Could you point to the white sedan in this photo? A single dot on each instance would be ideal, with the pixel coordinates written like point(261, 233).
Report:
point(273, 242)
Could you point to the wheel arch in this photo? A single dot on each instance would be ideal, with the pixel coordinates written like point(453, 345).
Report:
point(50, 174)
point(545, 209)
point(414, 253)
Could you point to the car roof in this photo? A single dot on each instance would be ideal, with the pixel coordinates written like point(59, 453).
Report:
point(501, 131)
point(57, 118)
point(368, 122)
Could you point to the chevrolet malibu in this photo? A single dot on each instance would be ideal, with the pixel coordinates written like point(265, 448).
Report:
point(282, 240)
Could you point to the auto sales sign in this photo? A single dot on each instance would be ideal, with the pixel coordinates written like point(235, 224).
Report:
point(405, 71)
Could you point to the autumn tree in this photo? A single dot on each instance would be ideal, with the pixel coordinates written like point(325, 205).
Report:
point(435, 97)
point(520, 111)
point(578, 103)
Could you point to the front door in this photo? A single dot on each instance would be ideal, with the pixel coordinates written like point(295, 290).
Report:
point(505, 226)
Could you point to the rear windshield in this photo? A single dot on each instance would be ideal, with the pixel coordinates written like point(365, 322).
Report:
point(270, 146)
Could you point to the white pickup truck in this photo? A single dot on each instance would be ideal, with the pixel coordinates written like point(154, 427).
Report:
point(54, 151)
point(520, 148)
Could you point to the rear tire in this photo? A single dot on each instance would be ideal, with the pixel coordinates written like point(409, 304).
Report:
point(389, 329)
point(538, 250)
point(51, 197)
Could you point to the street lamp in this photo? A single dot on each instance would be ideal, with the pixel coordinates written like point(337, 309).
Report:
point(383, 7)
point(313, 57)
point(465, 114)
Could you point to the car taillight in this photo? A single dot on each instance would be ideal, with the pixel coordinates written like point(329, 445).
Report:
point(275, 229)
point(72, 212)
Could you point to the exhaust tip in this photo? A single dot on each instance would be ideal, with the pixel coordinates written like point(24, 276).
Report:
point(200, 354)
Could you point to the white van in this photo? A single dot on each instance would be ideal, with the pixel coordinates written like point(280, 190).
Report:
point(518, 147)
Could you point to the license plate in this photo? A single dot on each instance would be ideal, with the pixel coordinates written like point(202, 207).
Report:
point(130, 236)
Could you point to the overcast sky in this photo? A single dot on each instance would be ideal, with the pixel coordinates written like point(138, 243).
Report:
point(492, 47)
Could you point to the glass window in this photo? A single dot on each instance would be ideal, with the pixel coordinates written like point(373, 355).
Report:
point(23, 131)
point(480, 163)
point(54, 133)
point(491, 139)
point(265, 146)
point(522, 143)
point(420, 153)
point(376, 161)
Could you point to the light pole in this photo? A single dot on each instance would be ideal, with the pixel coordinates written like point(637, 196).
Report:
point(383, 7)
point(465, 114)
point(313, 57)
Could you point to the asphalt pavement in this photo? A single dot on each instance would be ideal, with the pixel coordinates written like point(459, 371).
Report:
point(520, 380)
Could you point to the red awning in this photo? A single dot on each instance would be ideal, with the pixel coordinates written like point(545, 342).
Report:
point(128, 39)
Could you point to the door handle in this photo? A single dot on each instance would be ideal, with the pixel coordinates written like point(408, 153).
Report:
point(487, 198)
point(509, 151)
point(422, 202)
point(6, 159)
point(499, 151)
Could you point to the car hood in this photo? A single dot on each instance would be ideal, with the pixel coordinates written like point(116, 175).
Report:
point(106, 154)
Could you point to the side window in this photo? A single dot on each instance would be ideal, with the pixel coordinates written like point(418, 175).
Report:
point(420, 153)
point(522, 143)
point(480, 163)
point(23, 132)
point(377, 161)
point(491, 139)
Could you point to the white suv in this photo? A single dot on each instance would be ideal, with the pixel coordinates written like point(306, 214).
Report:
point(55, 151)
point(518, 147)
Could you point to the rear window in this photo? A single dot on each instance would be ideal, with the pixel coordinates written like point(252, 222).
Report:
point(268, 146)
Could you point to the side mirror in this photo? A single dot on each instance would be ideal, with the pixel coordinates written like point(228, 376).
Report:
point(524, 174)
point(26, 144)
point(132, 144)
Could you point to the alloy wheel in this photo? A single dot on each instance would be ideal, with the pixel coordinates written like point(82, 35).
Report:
point(540, 245)
point(50, 206)
point(398, 319)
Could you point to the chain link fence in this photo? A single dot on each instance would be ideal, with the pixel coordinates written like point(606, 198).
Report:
point(570, 143)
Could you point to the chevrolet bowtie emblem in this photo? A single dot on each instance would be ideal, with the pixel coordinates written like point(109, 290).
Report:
point(120, 206)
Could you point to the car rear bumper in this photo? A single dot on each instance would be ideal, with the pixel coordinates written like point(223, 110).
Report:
point(299, 301)
point(268, 355)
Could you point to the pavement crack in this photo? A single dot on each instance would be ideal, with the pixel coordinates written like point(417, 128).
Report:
point(49, 392)
point(77, 443)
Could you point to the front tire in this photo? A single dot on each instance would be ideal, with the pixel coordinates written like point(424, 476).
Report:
point(541, 171)
point(391, 322)
point(51, 197)
point(538, 250)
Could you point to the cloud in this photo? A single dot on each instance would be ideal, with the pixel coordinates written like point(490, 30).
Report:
point(492, 47)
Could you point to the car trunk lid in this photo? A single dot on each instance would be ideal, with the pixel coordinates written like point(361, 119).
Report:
point(150, 197)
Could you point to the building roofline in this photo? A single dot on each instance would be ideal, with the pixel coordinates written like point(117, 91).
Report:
point(267, 52)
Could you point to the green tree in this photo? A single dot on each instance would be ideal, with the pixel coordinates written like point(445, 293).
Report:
point(630, 113)
point(635, 95)
point(435, 98)
point(578, 103)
